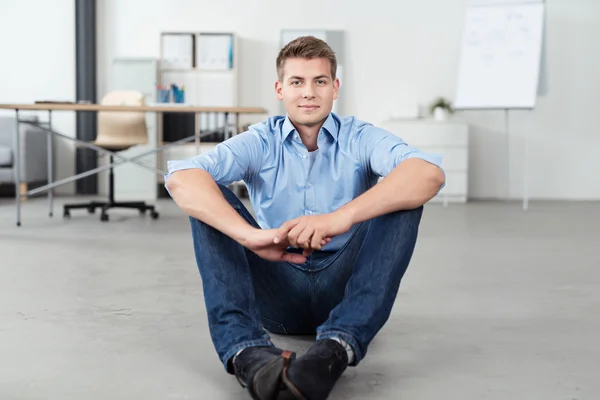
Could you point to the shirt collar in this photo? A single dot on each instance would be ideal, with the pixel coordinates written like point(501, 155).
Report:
point(329, 126)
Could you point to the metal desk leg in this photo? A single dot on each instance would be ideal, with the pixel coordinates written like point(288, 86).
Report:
point(227, 131)
point(50, 155)
point(17, 155)
point(236, 123)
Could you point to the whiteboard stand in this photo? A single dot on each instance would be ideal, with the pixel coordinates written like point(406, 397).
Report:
point(525, 158)
point(525, 173)
point(501, 63)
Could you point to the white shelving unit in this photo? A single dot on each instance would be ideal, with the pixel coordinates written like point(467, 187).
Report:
point(448, 138)
point(206, 65)
point(207, 68)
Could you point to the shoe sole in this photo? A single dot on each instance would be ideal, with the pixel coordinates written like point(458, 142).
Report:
point(267, 381)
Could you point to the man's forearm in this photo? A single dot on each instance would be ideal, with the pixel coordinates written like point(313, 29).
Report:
point(197, 194)
point(410, 185)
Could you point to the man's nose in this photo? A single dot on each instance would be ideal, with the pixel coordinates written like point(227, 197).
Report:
point(309, 91)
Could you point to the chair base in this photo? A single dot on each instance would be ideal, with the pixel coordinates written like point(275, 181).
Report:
point(105, 206)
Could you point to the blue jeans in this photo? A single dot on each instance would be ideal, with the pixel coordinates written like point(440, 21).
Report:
point(347, 293)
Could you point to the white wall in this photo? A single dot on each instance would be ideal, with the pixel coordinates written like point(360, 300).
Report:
point(37, 53)
point(396, 52)
point(407, 51)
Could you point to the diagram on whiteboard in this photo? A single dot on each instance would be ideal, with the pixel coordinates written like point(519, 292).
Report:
point(500, 57)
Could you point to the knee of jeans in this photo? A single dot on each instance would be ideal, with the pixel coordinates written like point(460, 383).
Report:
point(402, 219)
point(196, 223)
point(412, 213)
point(229, 195)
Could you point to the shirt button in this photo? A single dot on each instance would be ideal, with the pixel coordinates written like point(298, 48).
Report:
point(303, 155)
point(309, 185)
point(309, 212)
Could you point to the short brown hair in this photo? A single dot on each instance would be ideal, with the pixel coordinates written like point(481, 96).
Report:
point(308, 47)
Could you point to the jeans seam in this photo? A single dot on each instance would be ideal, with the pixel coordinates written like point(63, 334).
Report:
point(311, 288)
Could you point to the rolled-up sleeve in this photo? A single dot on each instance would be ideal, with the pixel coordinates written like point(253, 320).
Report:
point(236, 159)
point(383, 151)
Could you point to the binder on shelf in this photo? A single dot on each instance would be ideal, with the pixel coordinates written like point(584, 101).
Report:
point(214, 51)
point(177, 50)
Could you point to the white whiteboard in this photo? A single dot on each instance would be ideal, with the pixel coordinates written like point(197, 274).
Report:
point(500, 56)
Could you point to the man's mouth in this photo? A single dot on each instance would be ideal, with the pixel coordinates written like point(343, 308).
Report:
point(309, 106)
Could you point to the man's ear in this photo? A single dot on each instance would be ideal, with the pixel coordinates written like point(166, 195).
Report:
point(336, 88)
point(278, 90)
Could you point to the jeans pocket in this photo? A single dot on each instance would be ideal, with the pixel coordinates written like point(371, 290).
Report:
point(274, 326)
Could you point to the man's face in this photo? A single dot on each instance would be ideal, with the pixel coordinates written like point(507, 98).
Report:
point(307, 90)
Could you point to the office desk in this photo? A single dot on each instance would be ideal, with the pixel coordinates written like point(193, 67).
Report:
point(50, 107)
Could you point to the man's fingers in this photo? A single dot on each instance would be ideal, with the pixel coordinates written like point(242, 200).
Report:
point(283, 231)
point(304, 239)
point(316, 241)
point(294, 233)
point(294, 258)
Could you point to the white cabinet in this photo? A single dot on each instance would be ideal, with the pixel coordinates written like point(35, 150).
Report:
point(448, 138)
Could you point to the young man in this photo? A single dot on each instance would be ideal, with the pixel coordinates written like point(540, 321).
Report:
point(330, 244)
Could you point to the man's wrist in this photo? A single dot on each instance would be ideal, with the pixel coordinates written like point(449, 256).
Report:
point(243, 234)
point(347, 213)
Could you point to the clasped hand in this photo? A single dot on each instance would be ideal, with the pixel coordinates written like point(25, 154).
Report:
point(307, 232)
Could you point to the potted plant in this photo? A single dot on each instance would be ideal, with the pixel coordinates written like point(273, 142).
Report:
point(441, 108)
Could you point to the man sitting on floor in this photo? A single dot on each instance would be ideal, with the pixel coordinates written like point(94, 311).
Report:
point(330, 243)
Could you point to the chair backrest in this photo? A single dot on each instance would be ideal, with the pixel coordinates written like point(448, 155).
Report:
point(122, 128)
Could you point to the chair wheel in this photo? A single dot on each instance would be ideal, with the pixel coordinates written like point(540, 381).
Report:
point(142, 211)
point(91, 210)
point(154, 215)
point(104, 218)
point(66, 214)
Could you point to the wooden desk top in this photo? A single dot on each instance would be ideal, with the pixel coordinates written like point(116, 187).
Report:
point(151, 108)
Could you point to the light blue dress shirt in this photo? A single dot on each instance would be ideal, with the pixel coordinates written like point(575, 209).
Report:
point(275, 166)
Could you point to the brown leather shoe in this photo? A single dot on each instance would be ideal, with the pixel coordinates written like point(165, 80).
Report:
point(313, 376)
point(259, 370)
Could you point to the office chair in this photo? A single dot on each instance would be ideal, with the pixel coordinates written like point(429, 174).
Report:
point(118, 131)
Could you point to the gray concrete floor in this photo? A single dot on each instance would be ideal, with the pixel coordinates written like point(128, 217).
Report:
point(497, 304)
